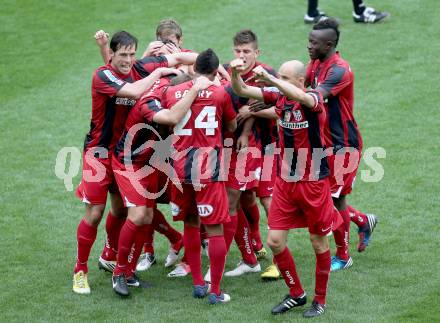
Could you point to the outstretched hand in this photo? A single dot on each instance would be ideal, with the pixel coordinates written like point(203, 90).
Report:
point(164, 71)
point(202, 83)
point(258, 106)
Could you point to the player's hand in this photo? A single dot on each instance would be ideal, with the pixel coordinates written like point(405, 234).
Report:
point(237, 65)
point(152, 48)
point(202, 83)
point(261, 75)
point(223, 74)
point(243, 114)
point(171, 48)
point(242, 142)
point(258, 106)
point(101, 38)
point(164, 71)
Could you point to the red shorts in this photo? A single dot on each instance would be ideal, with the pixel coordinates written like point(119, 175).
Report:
point(97, 179)
point(134, 191)
point(301, 205)
point(267, 180)
point(210, 203)
point(244, 172)
point(343, 168)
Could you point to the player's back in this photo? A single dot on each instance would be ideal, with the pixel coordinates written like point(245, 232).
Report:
point(201, 126)
point(200, 131)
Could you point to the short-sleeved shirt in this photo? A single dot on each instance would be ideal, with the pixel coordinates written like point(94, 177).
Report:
point(109, 112)
point(200, 131)
point(335, 78)
point(301, 136)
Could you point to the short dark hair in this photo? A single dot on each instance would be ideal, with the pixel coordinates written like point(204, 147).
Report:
point(122, 39)
point(168, 27)
point(207, 62)
point(328, 23)
point(245, 36)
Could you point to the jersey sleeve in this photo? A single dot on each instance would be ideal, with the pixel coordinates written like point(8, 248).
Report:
point(270, 95)
point(319, 100)
point(338, 78)
point(147, 65)
point(106, 82)
point(149, 108)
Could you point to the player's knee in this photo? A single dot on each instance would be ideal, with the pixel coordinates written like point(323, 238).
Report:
point(319, 243)
point(140, 215)
point(276, 244)
point(94, 215)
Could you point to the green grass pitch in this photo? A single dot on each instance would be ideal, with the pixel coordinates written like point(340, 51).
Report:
point(47, 59)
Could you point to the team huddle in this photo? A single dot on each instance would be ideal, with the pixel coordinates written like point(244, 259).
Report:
point(177, 127)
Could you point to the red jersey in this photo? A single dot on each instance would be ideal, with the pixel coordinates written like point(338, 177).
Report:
point(109, 112)
point(335, 78)
point(301, 130)
point(200, 131)
point(140, 116)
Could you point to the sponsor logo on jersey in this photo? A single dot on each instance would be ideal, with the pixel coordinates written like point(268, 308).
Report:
point(125, 101)
point(175, 209)
point(294, 125)
point(113, 78)
point(297, 115)
point(205, 209)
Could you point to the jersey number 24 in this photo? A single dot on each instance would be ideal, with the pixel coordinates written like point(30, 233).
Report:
point(205, 120)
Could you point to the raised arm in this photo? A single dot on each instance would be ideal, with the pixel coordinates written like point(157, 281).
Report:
point(181, 58)
point(136, 89)
point(288, 89)
point(239, 87)
point(101, 38)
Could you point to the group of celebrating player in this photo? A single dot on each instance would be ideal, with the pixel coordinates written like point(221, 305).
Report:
point(234, 132)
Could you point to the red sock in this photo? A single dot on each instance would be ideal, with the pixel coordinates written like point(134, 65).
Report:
point(342, 236)
point(113, 227)
point(287, 268)
point(229, 230)
point(142, 233)
point(322, 273)
point(243, 239)
point(149, 242)
point(85, 237)
point(191, 241)
point(217, 257)
point(253, 216)
point(357, 217)
point(162, 226)
point(125, 248)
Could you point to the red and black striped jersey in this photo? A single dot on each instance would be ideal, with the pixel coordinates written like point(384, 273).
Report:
point(133, 146)
point(301, 136)
point(335, 79)
point(109, 111)
point(200, 131)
